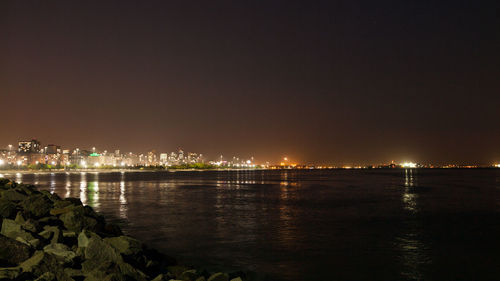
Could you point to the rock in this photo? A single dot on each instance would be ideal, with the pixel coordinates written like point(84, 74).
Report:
point(13, 252)
point(202, 278)
point(9, 273)
point(31, 225)
point(112, 229)
point(13, 195)
point(34, 243)
point(237, 279)
point(74, 201)
point(20, 218)
point(59, 211)
point(100, 252)
point(177, 270)
point(37, 205)
point(84, 238)
point(63, 204)
point(51, 196)
point(50, 220)
point(160, 277)
point(27, 189)
point(219, 277)
point(7, 208)
point(42, 262)
point(115, 277)
point(189, 275)
point(125, 245)
point(71, 272)
point(13, 230)
point(74, 219)
point(51, 232)
point(69, 234)
point(61, 251)
point(47, 276)
point(128, 270)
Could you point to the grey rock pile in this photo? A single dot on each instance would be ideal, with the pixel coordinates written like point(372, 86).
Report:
point(44, 237)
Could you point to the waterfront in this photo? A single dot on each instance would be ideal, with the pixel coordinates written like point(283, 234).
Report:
point(412, 224)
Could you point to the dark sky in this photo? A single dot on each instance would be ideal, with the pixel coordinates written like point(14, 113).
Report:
point(319, 81)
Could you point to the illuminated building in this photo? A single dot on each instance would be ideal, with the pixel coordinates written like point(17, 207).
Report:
point(32, 146)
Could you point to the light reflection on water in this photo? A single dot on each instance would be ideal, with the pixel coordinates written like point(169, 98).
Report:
point(414, 252)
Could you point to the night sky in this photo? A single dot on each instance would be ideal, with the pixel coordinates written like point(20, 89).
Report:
point(335, 82)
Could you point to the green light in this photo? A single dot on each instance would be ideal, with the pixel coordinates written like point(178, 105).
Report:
point(95, 154)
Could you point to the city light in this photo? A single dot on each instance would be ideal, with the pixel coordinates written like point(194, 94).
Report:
point(409, 165)
point(19, 162)
point(1, 162)
point(497, 165)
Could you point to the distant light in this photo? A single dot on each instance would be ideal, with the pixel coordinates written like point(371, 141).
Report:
point(285, 158)
point(409, 165)
point(53, 163)
point(83, 163)
point(19, 162)
point(248, 161)
point(497, 165)
point(97, 165)
point(2, 162)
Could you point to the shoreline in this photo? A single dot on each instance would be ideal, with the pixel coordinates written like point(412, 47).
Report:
point(44, 237)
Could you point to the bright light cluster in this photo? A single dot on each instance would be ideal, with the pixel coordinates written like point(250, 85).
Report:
point(409, 165)
point(497, 165)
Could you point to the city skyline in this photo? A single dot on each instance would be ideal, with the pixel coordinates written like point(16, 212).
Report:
point(33, 152)
point(319, 82)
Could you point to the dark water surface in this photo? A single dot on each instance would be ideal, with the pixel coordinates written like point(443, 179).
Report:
point(307, 225)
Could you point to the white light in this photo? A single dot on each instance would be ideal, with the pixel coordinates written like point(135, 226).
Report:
point(19, 162)
point(497, 165)
point(53, 163)
point(1, 162)
point(96, 165)
point(409, 165)
point(83, 163)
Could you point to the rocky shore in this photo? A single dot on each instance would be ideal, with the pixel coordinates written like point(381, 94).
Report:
point(44, 237)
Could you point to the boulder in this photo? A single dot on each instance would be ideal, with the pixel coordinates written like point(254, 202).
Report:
point(42, 262)
point(74, 219)
point(60, 251)
point(237, 279)
point(125, 245)
point(74, 201)
point(47, 276)
point(27, 189)
point(100, 252)
point(84, 238)
point(9, 273)
point(189, 275)
point(177, 270)
point(31, 225)
point(13, 252)
point(52, 233)
point(13, 195)
point(219, 277)
point(14, 230)
point(59, 211)
point(37, 205)
point(160, 277)
point(7, 208)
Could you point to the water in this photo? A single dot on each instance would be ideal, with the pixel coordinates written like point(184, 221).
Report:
point(307, 225)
